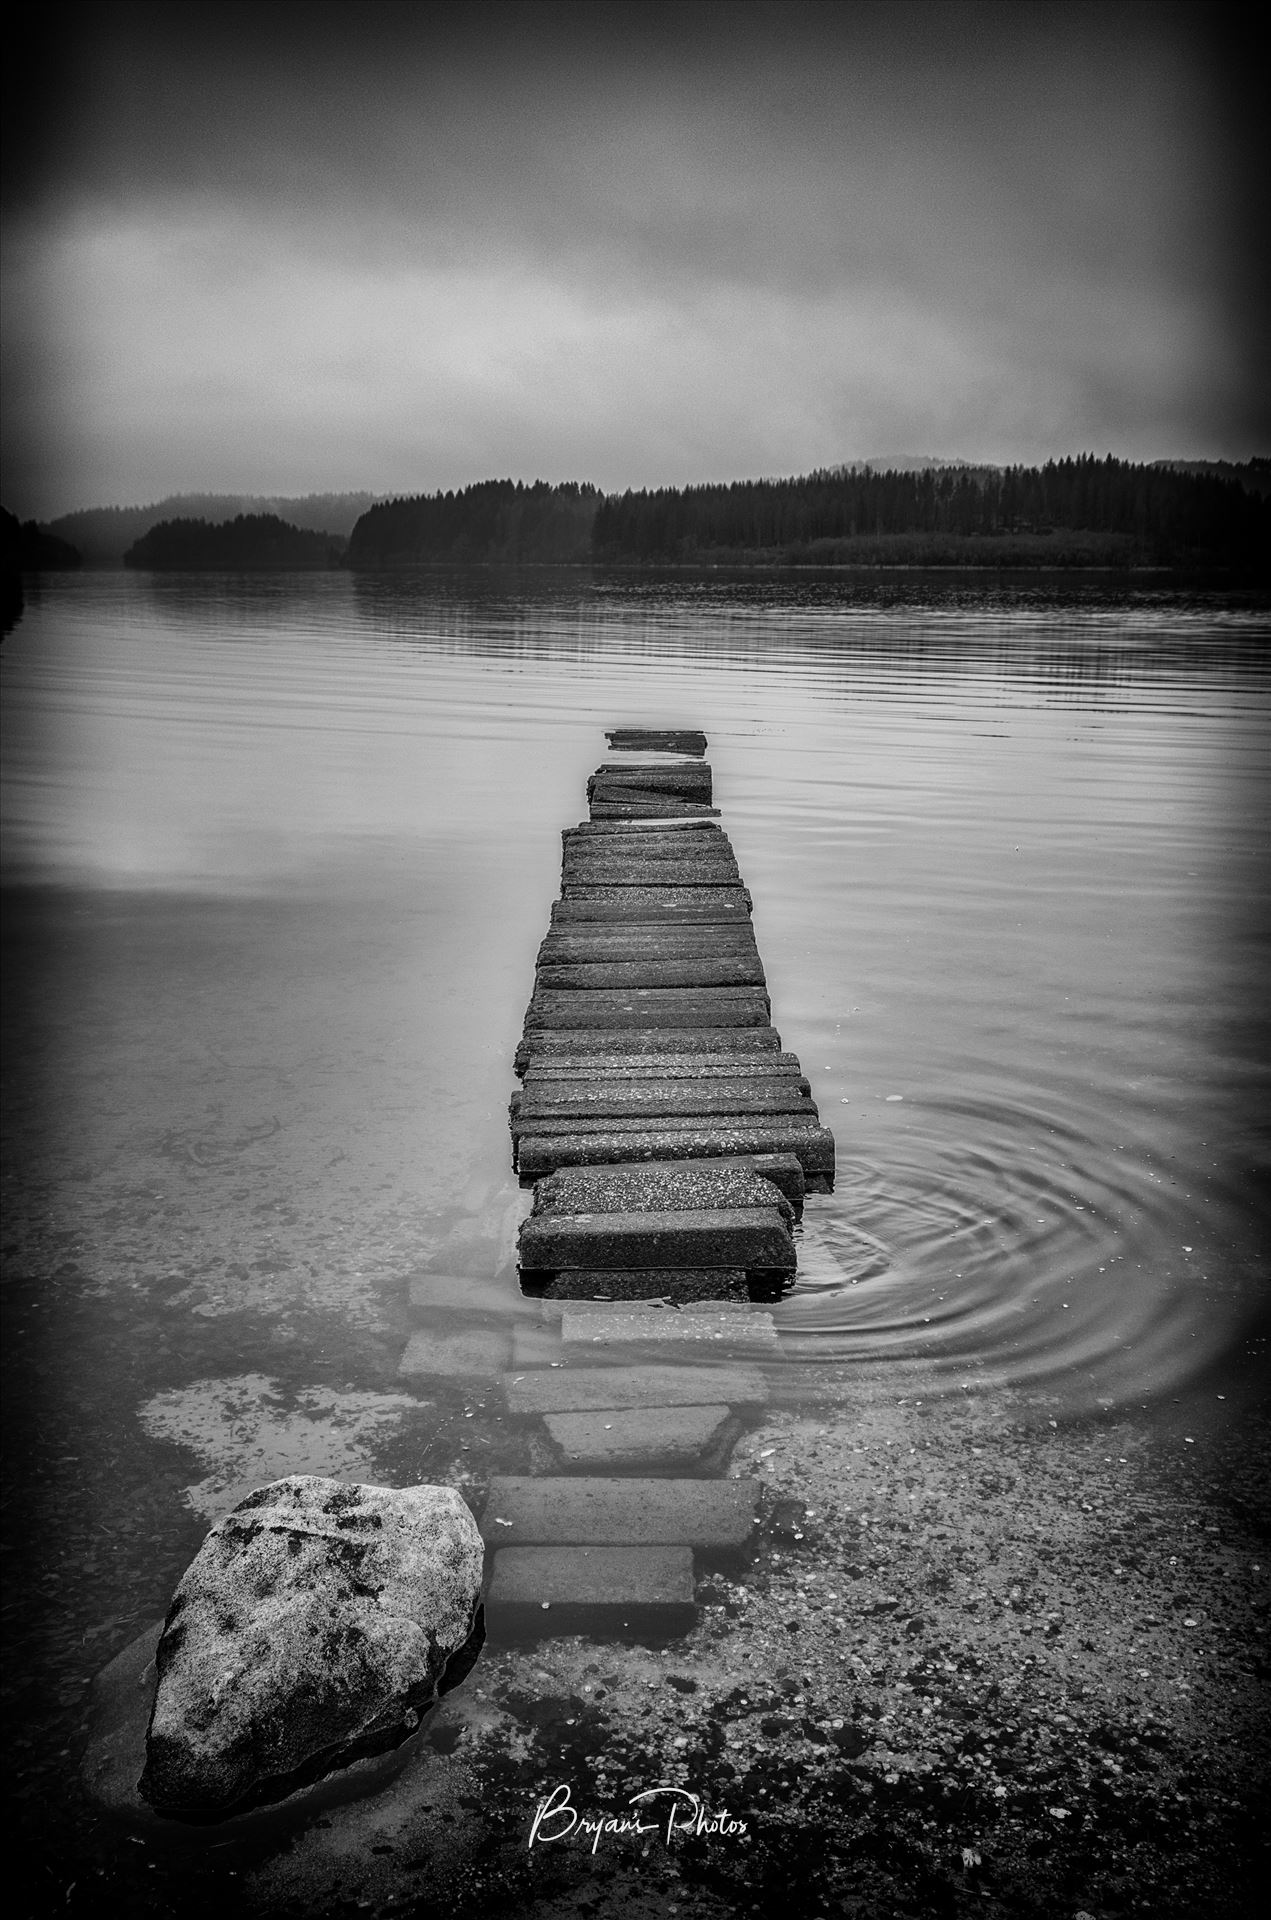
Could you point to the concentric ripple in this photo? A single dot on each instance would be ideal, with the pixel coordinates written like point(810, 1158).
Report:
point(1005, 1243)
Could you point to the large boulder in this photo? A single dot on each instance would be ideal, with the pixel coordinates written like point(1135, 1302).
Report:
point(315, 1625)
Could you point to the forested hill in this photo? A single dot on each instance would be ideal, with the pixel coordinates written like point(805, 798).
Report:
point(249, 542)
point(500, 522)
point(1069, 512)
point(104, 534)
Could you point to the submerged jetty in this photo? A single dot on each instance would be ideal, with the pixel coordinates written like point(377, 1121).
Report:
point(670, 1142)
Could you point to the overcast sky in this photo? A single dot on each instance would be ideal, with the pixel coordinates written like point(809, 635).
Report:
point(287, 248)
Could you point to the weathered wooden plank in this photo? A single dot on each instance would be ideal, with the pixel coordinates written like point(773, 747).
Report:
point(669, 1066)
point(583, 945)
point(584, 1099)
point(756, 1238)
point(704, 820)
point(545, 1145)
point(656, 906)
point(651, 739)
point(587, 1389)
point(652, 808)
point(683, 1286)
point(633, 1189)
point(576, 1511)
point(651, 838)
point(650, 1007)
point(698, 970)
point(671, 777)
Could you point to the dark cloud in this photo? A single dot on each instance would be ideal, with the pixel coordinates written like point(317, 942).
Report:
point(628, 242)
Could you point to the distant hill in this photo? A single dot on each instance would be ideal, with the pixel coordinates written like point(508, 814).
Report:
point(1068, 513)
point(25, 549)
point(1253, 475)
point(104, 534)
point(495, 522)
point(909, 463)
point(251, 542)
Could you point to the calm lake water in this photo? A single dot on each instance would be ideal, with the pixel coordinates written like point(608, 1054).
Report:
point(279, 853)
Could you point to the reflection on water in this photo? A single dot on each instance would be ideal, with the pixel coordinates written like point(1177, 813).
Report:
point(286, 848)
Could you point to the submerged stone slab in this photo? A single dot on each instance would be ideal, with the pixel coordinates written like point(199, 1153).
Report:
point(595, 1190)
point(315, 1625)
point(693, 970)
point(600, 1579)
point(750, 1237)
point(675, 1436)
point(475, 1351)
point(607, 1512)
point(585, 1327)
point(576, 1389)
point(648, 739)
point(649, 1007)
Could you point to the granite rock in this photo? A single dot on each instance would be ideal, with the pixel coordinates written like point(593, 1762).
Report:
point(316, 1624)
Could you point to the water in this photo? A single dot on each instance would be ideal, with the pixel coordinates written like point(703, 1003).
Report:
point(279, 854)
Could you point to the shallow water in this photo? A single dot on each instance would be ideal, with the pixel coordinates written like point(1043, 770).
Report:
point(283, 848)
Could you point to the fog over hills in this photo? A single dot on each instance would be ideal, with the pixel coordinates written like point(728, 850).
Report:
point(103, 535)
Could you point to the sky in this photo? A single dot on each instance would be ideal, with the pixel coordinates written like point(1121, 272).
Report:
point(289, 248)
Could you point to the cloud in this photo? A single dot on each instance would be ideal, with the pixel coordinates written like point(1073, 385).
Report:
point(298, 246)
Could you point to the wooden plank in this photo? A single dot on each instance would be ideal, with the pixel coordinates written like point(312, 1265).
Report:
point(651, 739)
point(543, 1147)
point(657, 1188)
point(650, 1007)
point(601, 1099)
point(655, 906)
point(697, 970)
point(756, 1238)
point(669, 1066)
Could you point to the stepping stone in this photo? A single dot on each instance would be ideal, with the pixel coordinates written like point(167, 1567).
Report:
point(587, 1589)
point(645, 739)
point(608, 1512)
point(652, 906)
point(683, 1285)
point(630, 1325)
point(653, 1188)
point(654, 1097)
point(580, 1043)
point(694, 970)
point(475, 1352)
point(756, 1238)
point(587, 1389)
point(613, 1438)
point(650, 1007)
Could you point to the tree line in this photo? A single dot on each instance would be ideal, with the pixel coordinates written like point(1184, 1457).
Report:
point(494, 522)
point(248, 543)
point(1072, 508)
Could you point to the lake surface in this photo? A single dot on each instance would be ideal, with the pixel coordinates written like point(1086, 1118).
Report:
point(279, 853)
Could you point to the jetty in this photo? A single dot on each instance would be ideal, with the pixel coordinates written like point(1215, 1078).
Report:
point(670, 1142)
